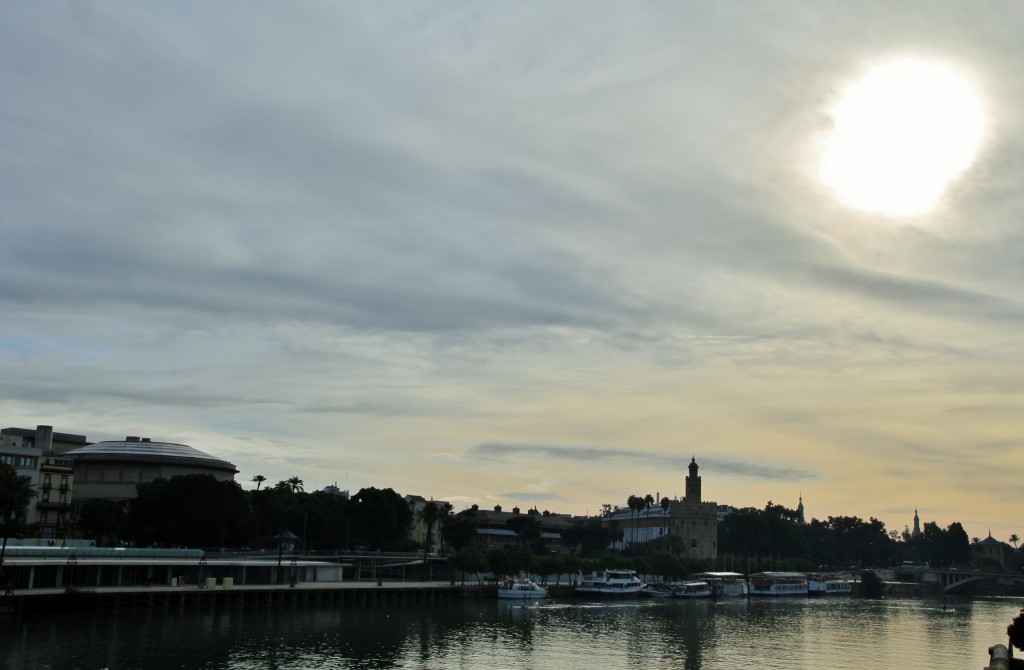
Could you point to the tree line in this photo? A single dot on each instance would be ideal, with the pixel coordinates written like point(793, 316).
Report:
point(201, 511)
point(837, 542)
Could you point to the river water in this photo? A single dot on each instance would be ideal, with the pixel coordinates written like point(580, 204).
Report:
point(840, 633)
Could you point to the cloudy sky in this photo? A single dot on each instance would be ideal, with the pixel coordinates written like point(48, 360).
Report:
point(519, 253)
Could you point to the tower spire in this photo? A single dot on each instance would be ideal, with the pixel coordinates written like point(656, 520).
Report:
point(693, 483)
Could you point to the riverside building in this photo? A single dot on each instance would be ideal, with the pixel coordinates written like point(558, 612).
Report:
point(691, 520)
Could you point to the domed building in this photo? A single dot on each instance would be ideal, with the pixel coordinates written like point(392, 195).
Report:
point(111, 470)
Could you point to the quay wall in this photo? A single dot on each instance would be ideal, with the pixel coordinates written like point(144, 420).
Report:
point(51, 600)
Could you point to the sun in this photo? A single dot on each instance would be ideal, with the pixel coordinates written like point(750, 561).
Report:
point(901, 134)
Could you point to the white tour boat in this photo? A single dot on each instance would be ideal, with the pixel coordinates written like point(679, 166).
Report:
point(611, 583)
point(828, 585)
point(520, 588)
point(778, 584)
point(692, 590)
point(724, 584)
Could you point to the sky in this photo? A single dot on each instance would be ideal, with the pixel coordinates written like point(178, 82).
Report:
point(535, 254)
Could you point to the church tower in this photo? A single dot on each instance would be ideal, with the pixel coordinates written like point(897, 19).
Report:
point(693, 483)
point(917, 524)
point(800, 511)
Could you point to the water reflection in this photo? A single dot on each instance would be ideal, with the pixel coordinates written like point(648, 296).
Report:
point(648, 634)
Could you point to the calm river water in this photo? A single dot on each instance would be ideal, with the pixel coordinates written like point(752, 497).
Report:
point(841, 633)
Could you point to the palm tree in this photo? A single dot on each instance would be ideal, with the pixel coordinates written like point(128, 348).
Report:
point(15, 495)
point(648, 504)
point(295, 484)
point(634, 503)
point(1014, 539)
point(429, 515)
point(259, 479)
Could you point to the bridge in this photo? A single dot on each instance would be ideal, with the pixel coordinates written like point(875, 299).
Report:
point(951, 581)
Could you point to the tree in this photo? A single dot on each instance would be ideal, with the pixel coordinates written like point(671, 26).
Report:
point(636, 504)
point(102, 520)
point(649, 502)
point(1016, 631)
point(631, 504)
point(1014, 539)
point(380, 519)
point(15, 495)
point(591, 538)
point(259, 479)
point(957, 548)
point(431, 514)
point(295, 484)
point(526, 527)
point(191, 510)
point(459, 530)
point(549, 564)
point(468, 559)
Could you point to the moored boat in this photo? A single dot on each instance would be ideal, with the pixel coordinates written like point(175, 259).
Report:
point(662, 590)
point(828, 585)
point(724, 584)
point(611, 583)
point(520, 588)
point(692, 590)
point(778, 584)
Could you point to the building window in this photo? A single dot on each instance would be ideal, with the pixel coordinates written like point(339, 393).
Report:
point(46, 480)
point(27, 462)
point(7, 459)
point(693, 542)
point(63, 481)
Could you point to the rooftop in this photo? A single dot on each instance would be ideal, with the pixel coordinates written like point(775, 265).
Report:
point(147, 449)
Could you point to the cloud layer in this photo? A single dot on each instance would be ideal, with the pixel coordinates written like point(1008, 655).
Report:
point(433, 248)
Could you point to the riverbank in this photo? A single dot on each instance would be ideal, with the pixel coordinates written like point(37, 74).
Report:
point(78, 598)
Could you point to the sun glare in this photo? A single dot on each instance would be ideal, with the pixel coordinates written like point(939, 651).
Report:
point(901, 134)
